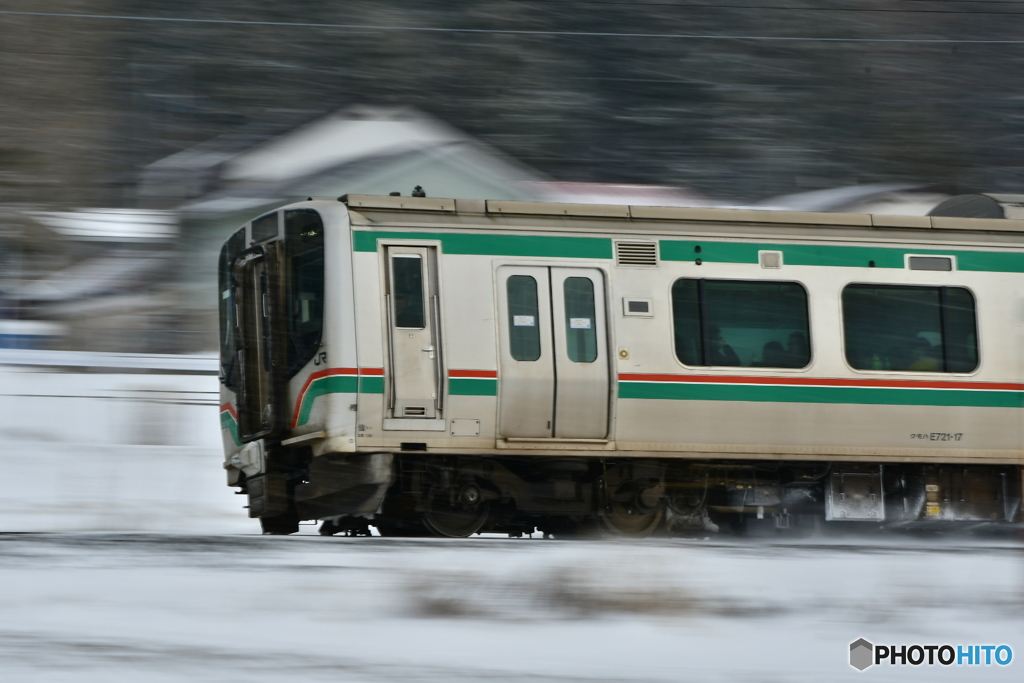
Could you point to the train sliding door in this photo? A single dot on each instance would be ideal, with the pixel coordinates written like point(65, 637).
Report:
point(527, 366)
point(554, 379)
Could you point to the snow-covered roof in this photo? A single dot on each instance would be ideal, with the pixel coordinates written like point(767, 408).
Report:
point(356, 149)
point(877, 198)
point(832, 199)
point(337, 139)
point(117, 225)
point(94, 277)
point(621, 194)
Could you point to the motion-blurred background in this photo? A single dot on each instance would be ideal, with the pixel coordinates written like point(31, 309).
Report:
point(134, 135)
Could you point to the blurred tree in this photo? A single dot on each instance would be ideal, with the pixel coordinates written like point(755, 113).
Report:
point(581, 89)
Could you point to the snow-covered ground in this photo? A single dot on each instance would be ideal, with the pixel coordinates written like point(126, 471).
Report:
point(89, 451)
point(141, 566)
point(163, 607)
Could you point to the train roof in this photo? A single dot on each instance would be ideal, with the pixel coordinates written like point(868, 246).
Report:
point(502, 207)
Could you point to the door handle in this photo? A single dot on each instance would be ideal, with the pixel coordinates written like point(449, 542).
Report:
point(429, 350)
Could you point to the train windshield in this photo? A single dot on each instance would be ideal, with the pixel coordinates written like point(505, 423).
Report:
point(231, 248)
point(304, 270)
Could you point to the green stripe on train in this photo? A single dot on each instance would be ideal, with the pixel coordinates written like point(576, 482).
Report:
point(333, 384)
point(799, 394)
point(346, 384)
point(827, 255)
point(685, 250)
point(228, 422)
point(504, 245)
point(472, 387)
point(371, 385)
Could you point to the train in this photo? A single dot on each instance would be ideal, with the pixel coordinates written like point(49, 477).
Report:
point(450, 367)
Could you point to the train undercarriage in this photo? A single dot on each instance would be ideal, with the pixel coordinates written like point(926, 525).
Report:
point(421, 494)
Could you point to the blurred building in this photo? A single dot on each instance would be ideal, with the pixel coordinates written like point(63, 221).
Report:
point(360, 149)
point(97, 280)
point(143, 280)
point(220, 184)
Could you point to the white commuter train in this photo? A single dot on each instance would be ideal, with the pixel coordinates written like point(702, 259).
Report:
point(449, 366)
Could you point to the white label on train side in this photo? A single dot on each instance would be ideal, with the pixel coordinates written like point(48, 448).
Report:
point(579, 323)
point(523, 321)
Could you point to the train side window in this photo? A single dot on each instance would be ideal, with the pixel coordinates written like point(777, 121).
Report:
point(304, 250)
point(580, 323)
point(686, 322)
point(523, 318)
point(916, 329)
point(740, 323)
point(234, 245)
point(410, 311)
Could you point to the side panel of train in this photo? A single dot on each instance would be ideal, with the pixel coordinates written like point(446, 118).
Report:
point(598, 368)
point(529, 381)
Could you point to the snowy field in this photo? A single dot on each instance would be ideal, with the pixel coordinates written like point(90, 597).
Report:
point(167, 607)
point(123, 557)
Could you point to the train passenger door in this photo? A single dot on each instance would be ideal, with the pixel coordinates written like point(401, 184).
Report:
point(554, 379)
point(412, 310)
point(256, 299)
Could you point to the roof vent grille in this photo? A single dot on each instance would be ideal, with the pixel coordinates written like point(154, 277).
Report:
point(636, 254)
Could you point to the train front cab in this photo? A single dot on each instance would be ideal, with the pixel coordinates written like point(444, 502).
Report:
point(289, 384)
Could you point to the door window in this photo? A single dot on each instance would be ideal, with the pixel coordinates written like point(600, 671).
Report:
point(408, 277)
point(580, 322)
point(523, 318)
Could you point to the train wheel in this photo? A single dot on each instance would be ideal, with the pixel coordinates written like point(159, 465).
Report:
point(620, 522)
point(459, 515)
point(456, 522)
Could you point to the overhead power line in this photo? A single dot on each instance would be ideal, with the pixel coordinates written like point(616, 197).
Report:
point(522, 32)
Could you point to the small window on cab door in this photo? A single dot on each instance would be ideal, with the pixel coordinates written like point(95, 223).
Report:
point(410, 309)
